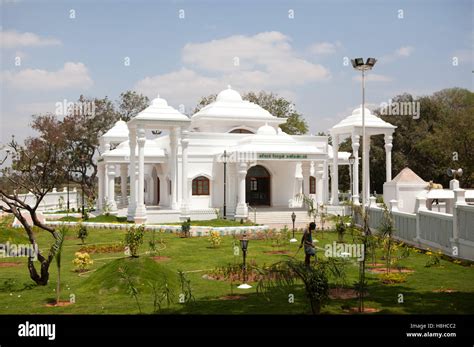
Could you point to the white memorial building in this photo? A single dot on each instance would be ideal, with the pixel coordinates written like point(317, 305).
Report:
point(171, 167)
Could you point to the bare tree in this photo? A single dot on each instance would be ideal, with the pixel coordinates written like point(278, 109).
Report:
point(36, 167)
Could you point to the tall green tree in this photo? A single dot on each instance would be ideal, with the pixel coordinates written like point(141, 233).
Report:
point(131, 103)
point(441, 137)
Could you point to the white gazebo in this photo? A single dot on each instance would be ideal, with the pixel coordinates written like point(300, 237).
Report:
point(352, 126)
point(157, 116)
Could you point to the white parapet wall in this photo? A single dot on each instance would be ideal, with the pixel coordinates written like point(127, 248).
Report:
point(453, 234)
point(52, 201)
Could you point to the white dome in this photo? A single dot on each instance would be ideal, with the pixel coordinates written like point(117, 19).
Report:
point(359, 110)
point(229, 95)
point(266, 130)
point(159, 101)
point(119, 130)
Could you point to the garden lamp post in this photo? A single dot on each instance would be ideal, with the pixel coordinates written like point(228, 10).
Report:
point(293, 219)
point(244, 242)
point(358, 64)
point(225, 183)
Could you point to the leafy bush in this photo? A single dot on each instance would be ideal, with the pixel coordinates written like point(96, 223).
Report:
point(134, 239)
point(82, 261)
point(215, 239)
point(82, 232)
point(435, 259)
point(340, 230)
point(186, 227)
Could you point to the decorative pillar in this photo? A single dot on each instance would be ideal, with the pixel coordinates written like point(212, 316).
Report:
point(100, 174)
point(132, 205)
point(319, 185)
point(326, 182)
point(367, 168)
point(123, 184)
point(232, 188)
point(140, 213)
point(184, 175)
point(335, 171)
point(173, 163)
point(388, 157)
point(242, 210)
point(355, 176)
point(306, 171)
point(112, 206)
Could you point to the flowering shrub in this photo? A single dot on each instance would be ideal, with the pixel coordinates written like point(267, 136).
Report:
point(82, 261)
point(134, 238)
point(215, 238)
point(435, 259)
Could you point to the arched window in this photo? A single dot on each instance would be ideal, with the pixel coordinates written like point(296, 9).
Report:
point(312, 185)
point(201, 186)
point(241, 131)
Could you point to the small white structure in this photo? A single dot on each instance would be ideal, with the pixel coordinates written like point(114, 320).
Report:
point(352, 126)
point(404, 188)
point(171, 167)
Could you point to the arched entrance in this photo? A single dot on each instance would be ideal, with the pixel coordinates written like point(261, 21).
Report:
point(156, 182)
point(257, 184)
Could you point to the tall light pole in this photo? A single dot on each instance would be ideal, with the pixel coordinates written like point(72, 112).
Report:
point(359, 65)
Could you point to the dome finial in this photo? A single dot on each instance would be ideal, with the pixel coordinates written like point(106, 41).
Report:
point(229, 86)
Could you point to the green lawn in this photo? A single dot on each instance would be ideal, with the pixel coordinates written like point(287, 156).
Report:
point(447, 288)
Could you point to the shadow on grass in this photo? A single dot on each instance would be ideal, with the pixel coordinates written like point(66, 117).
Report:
point(420, 302)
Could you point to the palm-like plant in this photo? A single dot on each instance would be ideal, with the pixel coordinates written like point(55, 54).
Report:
point(285, 274)
point(311, 206)
point(386, 229)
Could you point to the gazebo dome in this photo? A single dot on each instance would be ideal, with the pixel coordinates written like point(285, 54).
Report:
point(354, 121)
point(266, 130)
point(229, 95)
point(159, 110)
point(118, 131)
point(159, 102)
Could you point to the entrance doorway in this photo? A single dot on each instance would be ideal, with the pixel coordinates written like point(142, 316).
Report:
point(157, 190)
point(257, 184)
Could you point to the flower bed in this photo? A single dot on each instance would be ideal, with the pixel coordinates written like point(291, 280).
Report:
point(195, 230)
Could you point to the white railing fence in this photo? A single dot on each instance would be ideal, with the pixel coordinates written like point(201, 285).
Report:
point(453, 234)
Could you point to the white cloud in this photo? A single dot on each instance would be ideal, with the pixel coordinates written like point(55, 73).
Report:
point(13, 39)
point(71, 75)
point(266, 61)
point(184, 86)
point(402, 52)
point(371, 77)
point(324, 48)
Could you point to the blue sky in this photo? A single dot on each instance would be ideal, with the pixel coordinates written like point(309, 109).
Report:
point(182, 59)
